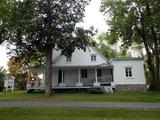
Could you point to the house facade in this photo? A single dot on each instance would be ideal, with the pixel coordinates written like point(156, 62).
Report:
point(90, 68)
point(82, 69)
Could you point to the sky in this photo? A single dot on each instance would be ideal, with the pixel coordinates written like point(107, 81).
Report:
point(92, 18)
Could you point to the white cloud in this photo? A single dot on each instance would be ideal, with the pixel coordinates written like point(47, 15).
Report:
point(93, 17)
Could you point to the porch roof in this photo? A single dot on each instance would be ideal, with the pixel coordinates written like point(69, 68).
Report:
point(86, 66)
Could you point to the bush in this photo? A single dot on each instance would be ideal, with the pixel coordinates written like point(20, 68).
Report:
point(96, 90)
point(1, 85)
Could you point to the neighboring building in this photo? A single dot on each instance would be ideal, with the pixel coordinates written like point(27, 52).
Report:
point(91, 68)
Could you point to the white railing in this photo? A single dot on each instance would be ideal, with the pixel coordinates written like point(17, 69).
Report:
point(87, 81)
point(105, 79)
point(102, 80)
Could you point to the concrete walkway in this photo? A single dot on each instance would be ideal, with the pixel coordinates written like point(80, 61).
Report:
point(133, 105)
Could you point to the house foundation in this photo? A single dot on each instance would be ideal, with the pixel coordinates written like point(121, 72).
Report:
point(131, 87)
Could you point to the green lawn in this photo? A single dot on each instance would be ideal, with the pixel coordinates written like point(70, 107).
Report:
point(120, 96)
point(50, 113)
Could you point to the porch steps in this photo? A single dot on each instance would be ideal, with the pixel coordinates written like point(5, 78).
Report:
point(108, 89)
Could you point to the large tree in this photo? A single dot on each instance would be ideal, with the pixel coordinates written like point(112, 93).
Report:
point(136, 22)
point(36, 27)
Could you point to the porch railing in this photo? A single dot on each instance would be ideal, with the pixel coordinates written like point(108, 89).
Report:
point(102, 80)
point(105, 79)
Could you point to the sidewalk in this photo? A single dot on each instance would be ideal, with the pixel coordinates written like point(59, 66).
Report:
point(134, 105)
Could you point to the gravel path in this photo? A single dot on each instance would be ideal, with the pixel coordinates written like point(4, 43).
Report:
point(133, 105)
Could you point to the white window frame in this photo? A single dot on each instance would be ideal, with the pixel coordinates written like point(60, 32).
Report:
point(129, 72)
point(93, 57)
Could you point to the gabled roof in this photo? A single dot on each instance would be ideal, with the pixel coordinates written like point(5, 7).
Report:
point(80, 58)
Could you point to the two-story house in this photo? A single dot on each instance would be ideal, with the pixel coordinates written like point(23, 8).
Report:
point(90, 68)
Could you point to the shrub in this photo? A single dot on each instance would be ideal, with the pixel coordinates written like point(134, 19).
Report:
point(1, 85)
point(96, 90)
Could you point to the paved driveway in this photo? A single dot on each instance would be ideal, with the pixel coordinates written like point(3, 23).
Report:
point(85, 104)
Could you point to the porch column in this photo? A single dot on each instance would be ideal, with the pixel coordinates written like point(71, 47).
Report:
point(96, 83)
point(112, 81)
point(79, 78)
point(96, 80)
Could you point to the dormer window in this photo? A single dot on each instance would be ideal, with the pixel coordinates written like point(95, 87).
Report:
point(68, 59)
point(93, 58)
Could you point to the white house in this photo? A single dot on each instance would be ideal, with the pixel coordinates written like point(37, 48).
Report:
point(90, 68)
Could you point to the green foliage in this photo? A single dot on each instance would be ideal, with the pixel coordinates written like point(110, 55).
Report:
point(96, 90)
point(105, 48)
point(5, 9)
point(108, 49)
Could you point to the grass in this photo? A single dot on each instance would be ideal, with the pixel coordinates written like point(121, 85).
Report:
point(62, 113)
point(120, 96)
point(50, 113)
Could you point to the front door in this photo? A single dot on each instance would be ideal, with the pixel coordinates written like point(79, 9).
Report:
point(59, 76)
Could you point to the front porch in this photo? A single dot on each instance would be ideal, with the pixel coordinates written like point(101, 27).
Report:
point(75, 78)
point(78, 77)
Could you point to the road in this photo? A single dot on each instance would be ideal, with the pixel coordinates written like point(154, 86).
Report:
point(133, 105)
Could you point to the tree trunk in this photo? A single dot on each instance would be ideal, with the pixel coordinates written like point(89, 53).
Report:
point(48, 81)
point(48, 74)
point(155, 48)
point(157, 73)
point(150, 62)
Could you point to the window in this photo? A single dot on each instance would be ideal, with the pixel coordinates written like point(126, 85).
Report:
point(128, 72)
point(68, 59)
point(93, 57)
point(99, 73)
point(84, 73)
